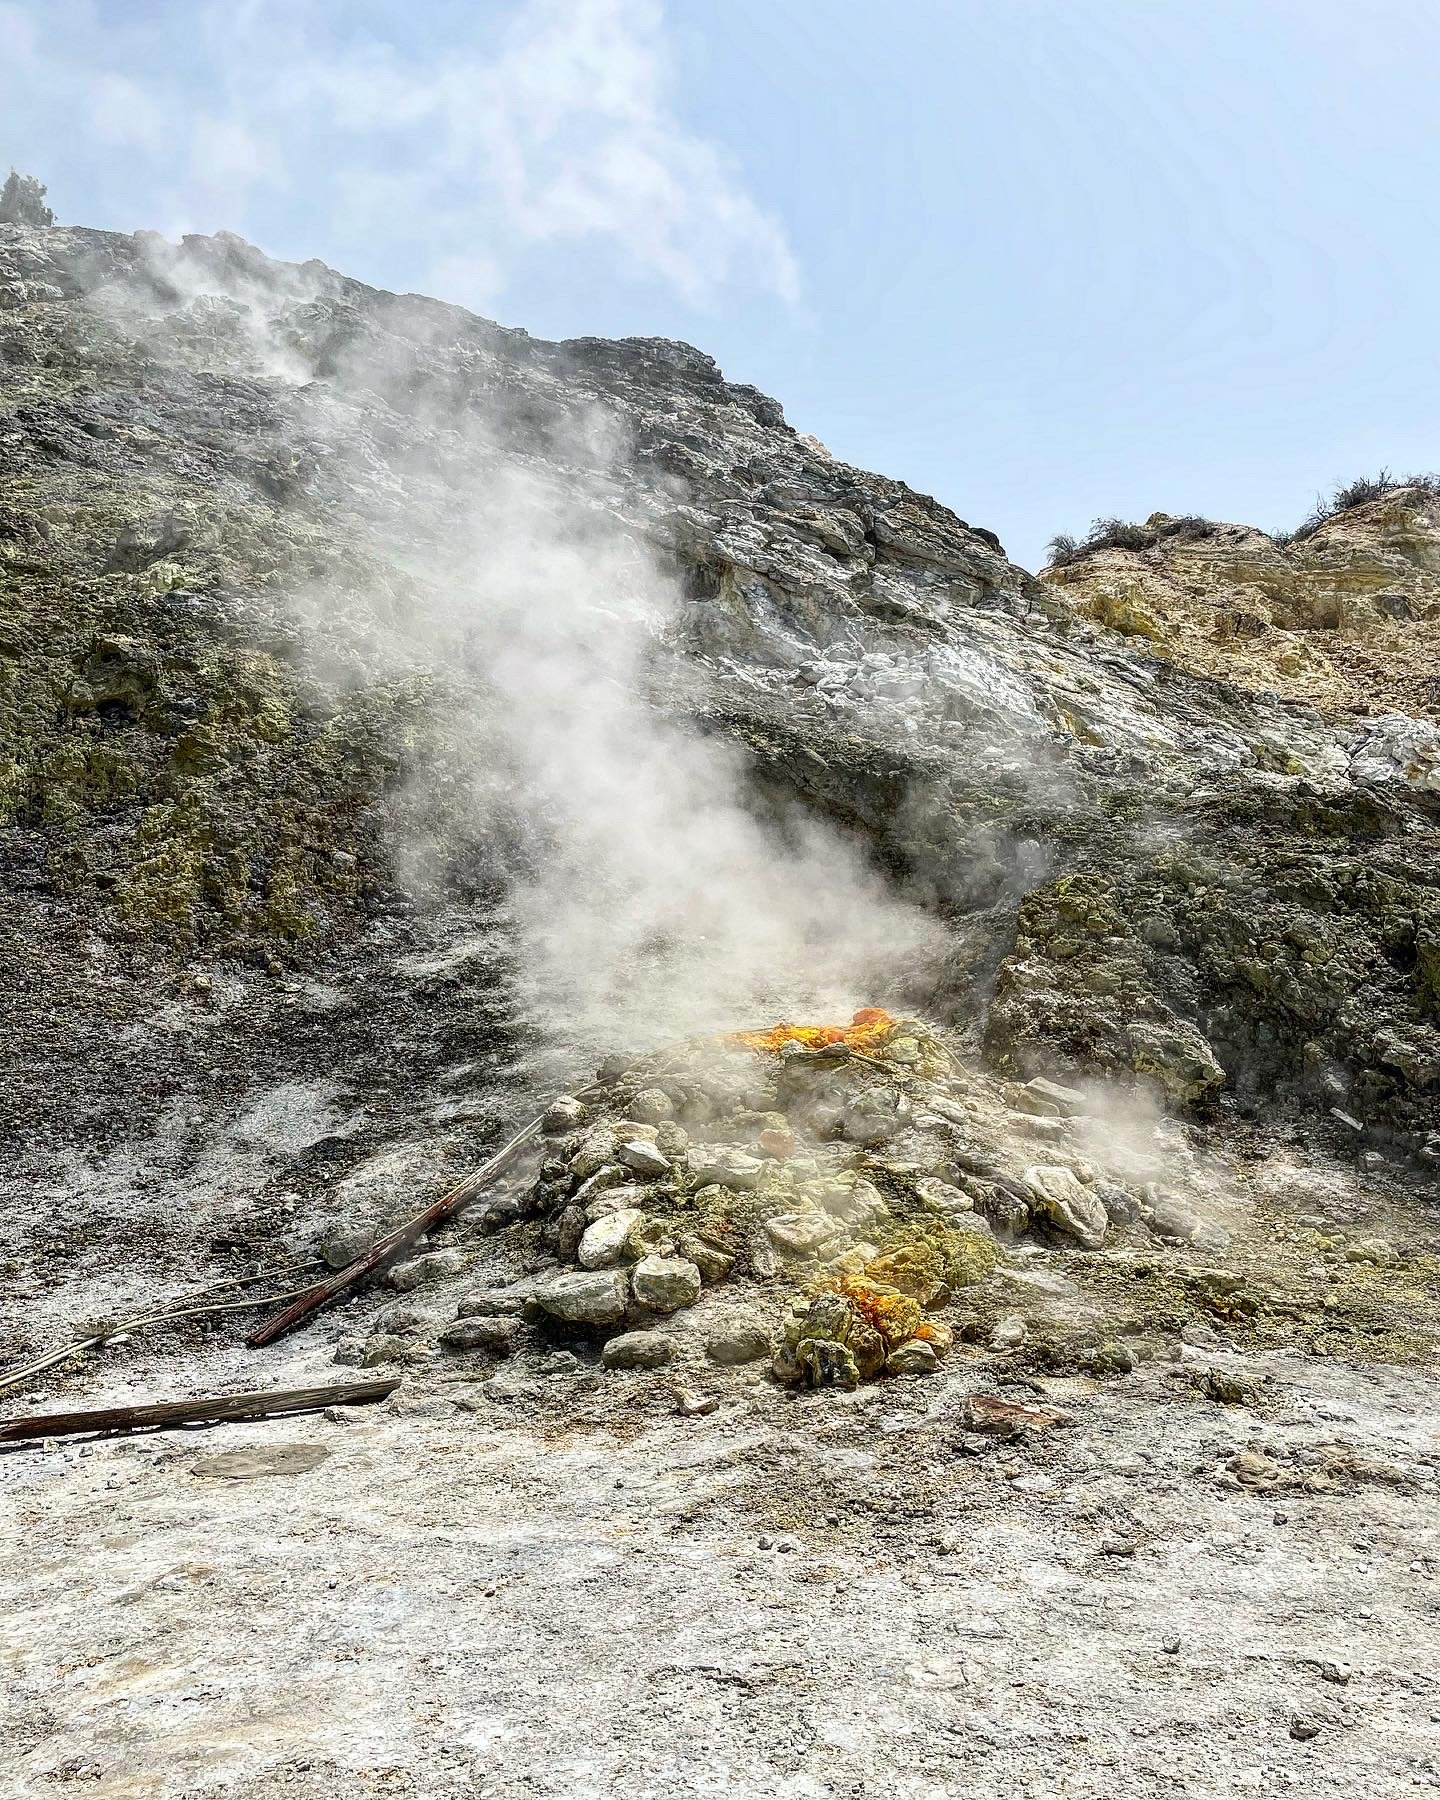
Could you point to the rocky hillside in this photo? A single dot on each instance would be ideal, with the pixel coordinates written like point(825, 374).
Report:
point(1343, 614)
point(228, 489)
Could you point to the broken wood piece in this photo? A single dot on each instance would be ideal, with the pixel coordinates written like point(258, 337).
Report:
point(225, 1409)
point(386, 1249)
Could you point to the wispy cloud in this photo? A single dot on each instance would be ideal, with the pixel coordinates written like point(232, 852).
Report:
point(558, 126)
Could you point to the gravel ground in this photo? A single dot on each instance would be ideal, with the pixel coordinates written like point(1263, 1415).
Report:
point(549, 1582)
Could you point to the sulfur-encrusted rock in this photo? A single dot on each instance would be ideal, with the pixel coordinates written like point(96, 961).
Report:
point(665, 1283)
point(583, 1297)
point(713, 1262)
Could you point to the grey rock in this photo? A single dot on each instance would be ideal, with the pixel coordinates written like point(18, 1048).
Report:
point(584, 1297)
point(1009, 1334)
point(345, 1242)
point(638, 1350)
point(498, 1335)
point(644, 1158)
point(914, 1357)
point(653, 1106)
point(665, 1283)
point(494, 1303)
point(435, 1265)
point(1064, 1200)
point(564, 1114)
point(1066, 1101)
point(722, 1167)
point(740, 1341)
point(800, 1233)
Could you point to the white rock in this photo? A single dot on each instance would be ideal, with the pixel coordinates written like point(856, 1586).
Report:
point(608, 1239)
point(800, 1233)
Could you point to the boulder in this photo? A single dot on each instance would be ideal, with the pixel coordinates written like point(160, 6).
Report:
point(652, 1106)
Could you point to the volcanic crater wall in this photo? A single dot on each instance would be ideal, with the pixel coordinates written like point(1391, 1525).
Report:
point(230, 725)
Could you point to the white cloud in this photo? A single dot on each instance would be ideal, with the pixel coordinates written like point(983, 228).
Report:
point(561, 127)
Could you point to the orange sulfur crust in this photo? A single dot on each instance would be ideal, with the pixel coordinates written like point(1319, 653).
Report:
point(869, 1029)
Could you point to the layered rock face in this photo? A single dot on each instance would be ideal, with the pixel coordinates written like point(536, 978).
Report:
point(229, 488)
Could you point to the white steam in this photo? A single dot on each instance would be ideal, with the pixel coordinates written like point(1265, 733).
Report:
point(660, 901)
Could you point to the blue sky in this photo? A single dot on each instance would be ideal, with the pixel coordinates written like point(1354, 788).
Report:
point(1046, 259)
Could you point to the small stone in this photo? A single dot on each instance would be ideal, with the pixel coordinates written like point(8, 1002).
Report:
point(1170, 1646)
point(583, 1297)
point(1302, 1727)
point(383, 1347)
point(1338, 1672)
point(638, 1350)
point(498, 1335)
point(693, 1405)
point(913, 1357)
point(1009, 1334)
point(1113, 1545)
point(740, 1342)
point(665, 1283)
point(800, 1233)
point(435, 1265)
point(610, 1238)
point(564, 1114)
point(644, 1158)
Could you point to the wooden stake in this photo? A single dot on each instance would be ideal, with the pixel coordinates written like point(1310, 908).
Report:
point(217, 1410)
